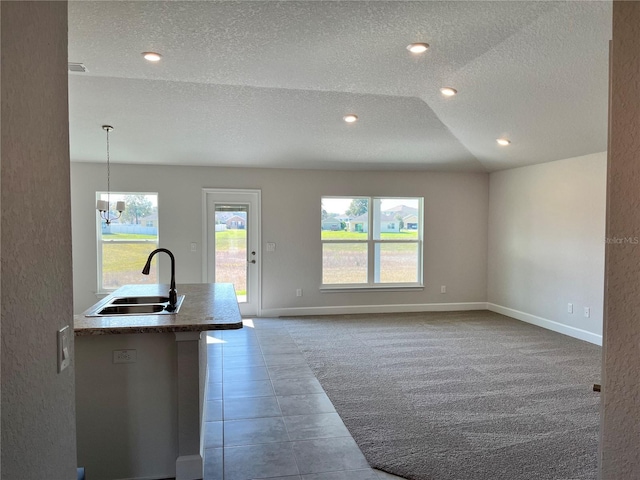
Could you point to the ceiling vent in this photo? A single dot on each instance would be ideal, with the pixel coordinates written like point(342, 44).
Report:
point(77, 67)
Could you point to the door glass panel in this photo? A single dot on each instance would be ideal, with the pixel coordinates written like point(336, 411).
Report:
point(231, 247)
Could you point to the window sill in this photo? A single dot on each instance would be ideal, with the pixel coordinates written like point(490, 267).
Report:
point(370, 288)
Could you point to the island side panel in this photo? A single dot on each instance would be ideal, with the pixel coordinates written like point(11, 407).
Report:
point(203, 361)
point(127, 424)
point(189, 463)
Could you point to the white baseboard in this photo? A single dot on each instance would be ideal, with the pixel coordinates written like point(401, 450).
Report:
point(548, 324)
point(437, 307)
point(353, 309)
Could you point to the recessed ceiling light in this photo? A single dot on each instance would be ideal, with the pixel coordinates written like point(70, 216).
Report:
point(350, 118)
point(448, 91)
point(503, 141)
point(418, 47)
point(152, 56)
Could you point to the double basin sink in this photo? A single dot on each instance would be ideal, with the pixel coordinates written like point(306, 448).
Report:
point(145, 305)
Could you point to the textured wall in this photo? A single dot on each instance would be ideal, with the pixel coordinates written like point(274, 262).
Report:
point(0, 248)
point(546, 243)
point(38, 413)
point(456, 207)
point(620, 433)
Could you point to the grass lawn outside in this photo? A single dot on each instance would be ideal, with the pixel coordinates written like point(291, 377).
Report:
point(342, 263)
point(126, 236)
point(124, 256)
point(122, 264)
point(347, 263)
point(345, 235)
point(231, 259)
point(123, 259)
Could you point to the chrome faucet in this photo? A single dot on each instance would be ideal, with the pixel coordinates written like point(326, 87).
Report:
point(173, 294)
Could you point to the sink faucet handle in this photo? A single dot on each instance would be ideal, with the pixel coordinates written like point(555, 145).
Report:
point(173, 294)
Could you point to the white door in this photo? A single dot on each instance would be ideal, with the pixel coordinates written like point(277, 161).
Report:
point(232, 243)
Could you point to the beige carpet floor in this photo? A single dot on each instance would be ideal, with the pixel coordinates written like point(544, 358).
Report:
point(458, 395)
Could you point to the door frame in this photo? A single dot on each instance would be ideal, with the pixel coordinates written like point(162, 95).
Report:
point(258, 229)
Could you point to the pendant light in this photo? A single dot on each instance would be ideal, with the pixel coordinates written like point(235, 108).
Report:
point(103, 206)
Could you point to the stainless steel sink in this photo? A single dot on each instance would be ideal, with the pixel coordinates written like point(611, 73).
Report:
point(131, 309)
point(143, 305)
point(137, 300)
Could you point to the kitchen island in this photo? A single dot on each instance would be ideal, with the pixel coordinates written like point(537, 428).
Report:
point(140, 382)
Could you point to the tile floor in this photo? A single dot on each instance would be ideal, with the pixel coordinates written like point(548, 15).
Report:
point(267, 415)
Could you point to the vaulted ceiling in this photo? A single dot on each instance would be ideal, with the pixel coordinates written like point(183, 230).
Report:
point(267, 83)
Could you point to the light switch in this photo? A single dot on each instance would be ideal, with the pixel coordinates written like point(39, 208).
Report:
point(64, 350)
point(194, 247)
point(271, 247)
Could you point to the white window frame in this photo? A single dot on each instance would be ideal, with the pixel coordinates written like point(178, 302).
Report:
point(373, 252)
point(99, 242)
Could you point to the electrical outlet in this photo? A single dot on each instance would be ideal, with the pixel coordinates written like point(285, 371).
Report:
point(587, 312)
point(443, 289)
point(569, 307)
point(298, 292)
point(271, 247)
point(124, 356)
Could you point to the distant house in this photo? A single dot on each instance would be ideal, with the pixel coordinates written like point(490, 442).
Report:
point(146, 226)
point(149, 220)
point(331, 223)
point(388, 223)
point(410, 222)
point(409, 216)
point(359, 223)
point(403, 210)
point(236, 222)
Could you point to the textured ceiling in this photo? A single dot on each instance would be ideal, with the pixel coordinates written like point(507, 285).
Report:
point(266, 83)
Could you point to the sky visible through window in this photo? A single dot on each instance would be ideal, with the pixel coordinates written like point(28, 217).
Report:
point(120, 197)
point(340, 205)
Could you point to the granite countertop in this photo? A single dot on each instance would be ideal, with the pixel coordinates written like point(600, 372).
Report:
point(206, 306)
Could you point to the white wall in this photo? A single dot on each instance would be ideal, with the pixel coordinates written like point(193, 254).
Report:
point(456, 213)
point(546, 244)
point(38, 412)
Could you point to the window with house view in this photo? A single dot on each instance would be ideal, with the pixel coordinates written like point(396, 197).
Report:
point(371, 241)
point(125, 243)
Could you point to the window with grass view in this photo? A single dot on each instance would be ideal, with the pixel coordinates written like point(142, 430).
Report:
point(371, 241)
point(125, 244)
